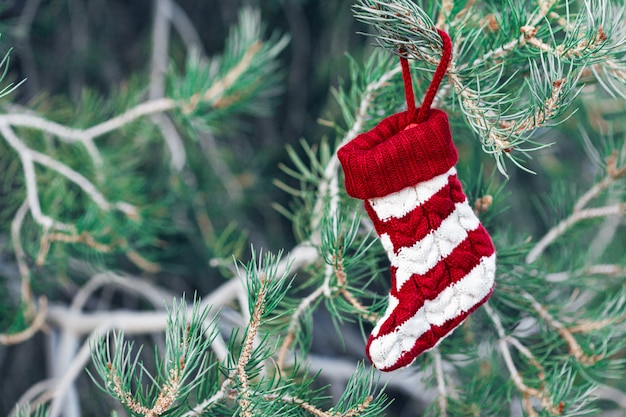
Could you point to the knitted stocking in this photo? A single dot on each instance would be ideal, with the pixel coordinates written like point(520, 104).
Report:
point(442, 258)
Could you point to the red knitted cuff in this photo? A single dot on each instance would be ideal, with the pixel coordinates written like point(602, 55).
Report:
point(388, 158)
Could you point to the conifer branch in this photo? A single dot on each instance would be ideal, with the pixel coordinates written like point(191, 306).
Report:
point(574, 347)
point(163, 16)
point(185, 346)
point(539, 118)
point(342, 283)
point(588, 326)
point(516, 377)
point(151, 292)
point(206, 405)
point(125, 397)
point(57, 392)
point(489, 111)
point(563, 226)
point(286, 398)
point(294, 323)
point(31, 182)
point(220, 93)
point(246, 351)
point(29, 157)
point(20, 255)
point(73, 135)
point(310, 408)
point(606, 269)
point(38, 322)
point(541, 372)
point(580, 213)
point(613, 173)
point(216, 94)
point(442, 398)
point(86, 239)
point(167, 395)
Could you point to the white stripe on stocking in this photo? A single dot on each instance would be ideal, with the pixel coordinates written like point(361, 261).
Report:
point(456, 299)
point(436, 245)
point(392, 303)
point(408, 199)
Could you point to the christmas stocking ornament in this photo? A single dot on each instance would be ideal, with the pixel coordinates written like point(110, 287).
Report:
point(442, 258)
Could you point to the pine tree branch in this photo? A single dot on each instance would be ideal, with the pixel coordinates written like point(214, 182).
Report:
point(244, 391)
point(125, 397)
point(325, 290)
point(150, 291)
point(20, 255)
point(28, 167)
point(444, 12)
point(206, 405)
point(329, 288)
point(607, 269)
point(294, 323)
point(504, 350)
point(182, 368)
point(579, 213)
point(574, 347)
point(216, 93)
point(536, 120)
point(83, 238)
point(311, 409)
point(489, 111)
point(610, 270)
point(155, 108)
point(588, 326)
point(160, 42)
point(527, 392)
point(541, 372)
point(38, 322)
point(442, 398)
point(341, 285)
point(168, 392)
point(530, 32)
point(537, 17)
point(246, 351)
point(71, 371)
point(148, 108)
point(613, 173)
point(29, 157)
point(566, 224)
point(285, 398)
point(73, 135)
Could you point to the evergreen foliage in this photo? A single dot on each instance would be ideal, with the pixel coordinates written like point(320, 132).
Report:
point(106, 200)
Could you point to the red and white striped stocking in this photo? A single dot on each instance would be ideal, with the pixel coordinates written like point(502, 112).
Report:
point(442, 258)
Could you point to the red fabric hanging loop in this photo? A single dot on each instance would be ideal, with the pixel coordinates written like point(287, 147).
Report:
point(422, 114)
point(408, 87)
